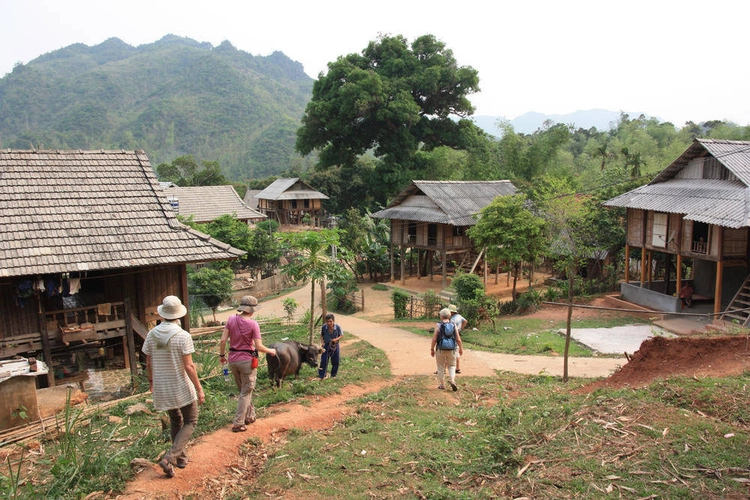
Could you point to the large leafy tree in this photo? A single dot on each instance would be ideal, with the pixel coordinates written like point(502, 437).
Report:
point(185, 171)
point(393, 100)
point(211, 285)
point(508, 230)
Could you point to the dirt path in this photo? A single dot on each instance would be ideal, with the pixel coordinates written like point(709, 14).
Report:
point(215, 454)
point(215, 458)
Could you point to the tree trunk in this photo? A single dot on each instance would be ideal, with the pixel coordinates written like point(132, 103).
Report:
point(323, 298)
point(312, 308)
point(567, 328)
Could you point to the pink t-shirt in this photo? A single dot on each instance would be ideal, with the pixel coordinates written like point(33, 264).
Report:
point(242, 333)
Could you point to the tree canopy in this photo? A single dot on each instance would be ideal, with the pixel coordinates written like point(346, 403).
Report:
point(393, 99)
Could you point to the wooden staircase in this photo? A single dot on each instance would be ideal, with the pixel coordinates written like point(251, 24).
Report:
point(738, 309)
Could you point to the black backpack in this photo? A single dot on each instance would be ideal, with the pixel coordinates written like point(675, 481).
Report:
point(447, 337)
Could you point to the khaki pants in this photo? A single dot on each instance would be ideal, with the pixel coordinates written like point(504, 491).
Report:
point(183, 421)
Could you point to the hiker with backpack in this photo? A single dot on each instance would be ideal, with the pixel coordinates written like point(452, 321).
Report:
point(446, 341)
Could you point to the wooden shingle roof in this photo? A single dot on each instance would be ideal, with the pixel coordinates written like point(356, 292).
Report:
point(290, 189)
point(445, 202)
point(65, 211)
point(709, 182)
point(207, 203)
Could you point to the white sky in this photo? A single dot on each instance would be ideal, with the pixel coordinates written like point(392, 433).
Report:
point(677, 60)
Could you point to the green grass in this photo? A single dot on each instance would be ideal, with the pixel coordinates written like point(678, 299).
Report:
point(522, 437)
point(528, 336)
point(499, 437)
point(94, 451)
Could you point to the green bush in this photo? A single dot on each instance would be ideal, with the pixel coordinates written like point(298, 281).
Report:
point(529, 301)
point(508, 308)
point(400, 299)
point(466, 286)
point(432, 304)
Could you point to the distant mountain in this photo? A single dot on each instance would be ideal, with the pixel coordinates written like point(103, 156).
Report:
point(529, 123)
point(170, 98)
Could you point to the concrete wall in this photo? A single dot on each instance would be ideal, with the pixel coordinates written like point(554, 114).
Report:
point(649, 298)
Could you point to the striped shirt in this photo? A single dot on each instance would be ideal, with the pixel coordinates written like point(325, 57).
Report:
point(166, 344)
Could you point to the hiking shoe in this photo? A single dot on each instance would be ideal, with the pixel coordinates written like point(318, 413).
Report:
point(441, 387)
point(453, 386)
point(166, 467)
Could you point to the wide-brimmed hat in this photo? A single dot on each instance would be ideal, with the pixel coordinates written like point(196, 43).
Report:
point(248, 303)
point(171, 308)
point(452, 308)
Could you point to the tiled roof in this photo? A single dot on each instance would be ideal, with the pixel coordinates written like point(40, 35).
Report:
point(720, 201)
point(290, 189)
point(445, 202)
point(206, 203)
point(65, 211)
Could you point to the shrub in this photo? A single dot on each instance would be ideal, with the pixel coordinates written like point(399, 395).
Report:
point(529, 301)
point(432, 304)
point(508, 308)
point(399, 299)
point(466, 286)
point(290, 306)
point(551, 294)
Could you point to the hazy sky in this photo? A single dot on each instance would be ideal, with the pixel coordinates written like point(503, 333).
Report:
point(676, 60)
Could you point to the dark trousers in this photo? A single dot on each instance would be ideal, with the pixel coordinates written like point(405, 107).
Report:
point(329, 352)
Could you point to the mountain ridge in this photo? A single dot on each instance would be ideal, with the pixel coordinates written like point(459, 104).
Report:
point(171, 98)
point(530, 122)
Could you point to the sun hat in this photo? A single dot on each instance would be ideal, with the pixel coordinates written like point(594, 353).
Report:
point(248, 303)
point(171, 308)
point(445, 313)
point(452, 308)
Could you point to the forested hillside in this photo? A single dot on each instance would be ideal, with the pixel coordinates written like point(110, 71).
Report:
point(171, 98)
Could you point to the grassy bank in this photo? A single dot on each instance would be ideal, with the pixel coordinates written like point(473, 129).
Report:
point(522, 437)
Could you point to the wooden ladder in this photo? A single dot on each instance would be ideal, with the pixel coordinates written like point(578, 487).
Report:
point(739, 308)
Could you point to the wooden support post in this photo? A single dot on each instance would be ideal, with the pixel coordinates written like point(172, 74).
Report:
point(678, 276)
point(129, 340)
point(627, 263)
point(46, 350)
point(402, 252)
point(643, 266)
point(717, 293)
point(444, 259)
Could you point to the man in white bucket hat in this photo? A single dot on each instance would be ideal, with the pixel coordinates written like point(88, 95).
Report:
point(174, 379)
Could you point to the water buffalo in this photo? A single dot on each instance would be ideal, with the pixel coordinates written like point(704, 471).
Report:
point(290, 356)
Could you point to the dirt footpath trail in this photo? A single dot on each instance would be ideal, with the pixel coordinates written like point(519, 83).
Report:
point(215, 459)
point(409, 353)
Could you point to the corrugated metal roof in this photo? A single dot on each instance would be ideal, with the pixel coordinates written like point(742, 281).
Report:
point(734, 155)
point(724, 203)
point(445, 202)
point(207, 203)
point(290, 189)
point(64, 211)
point(713, 201)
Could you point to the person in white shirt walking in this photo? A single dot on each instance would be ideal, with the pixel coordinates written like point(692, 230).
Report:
point(174, 379)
